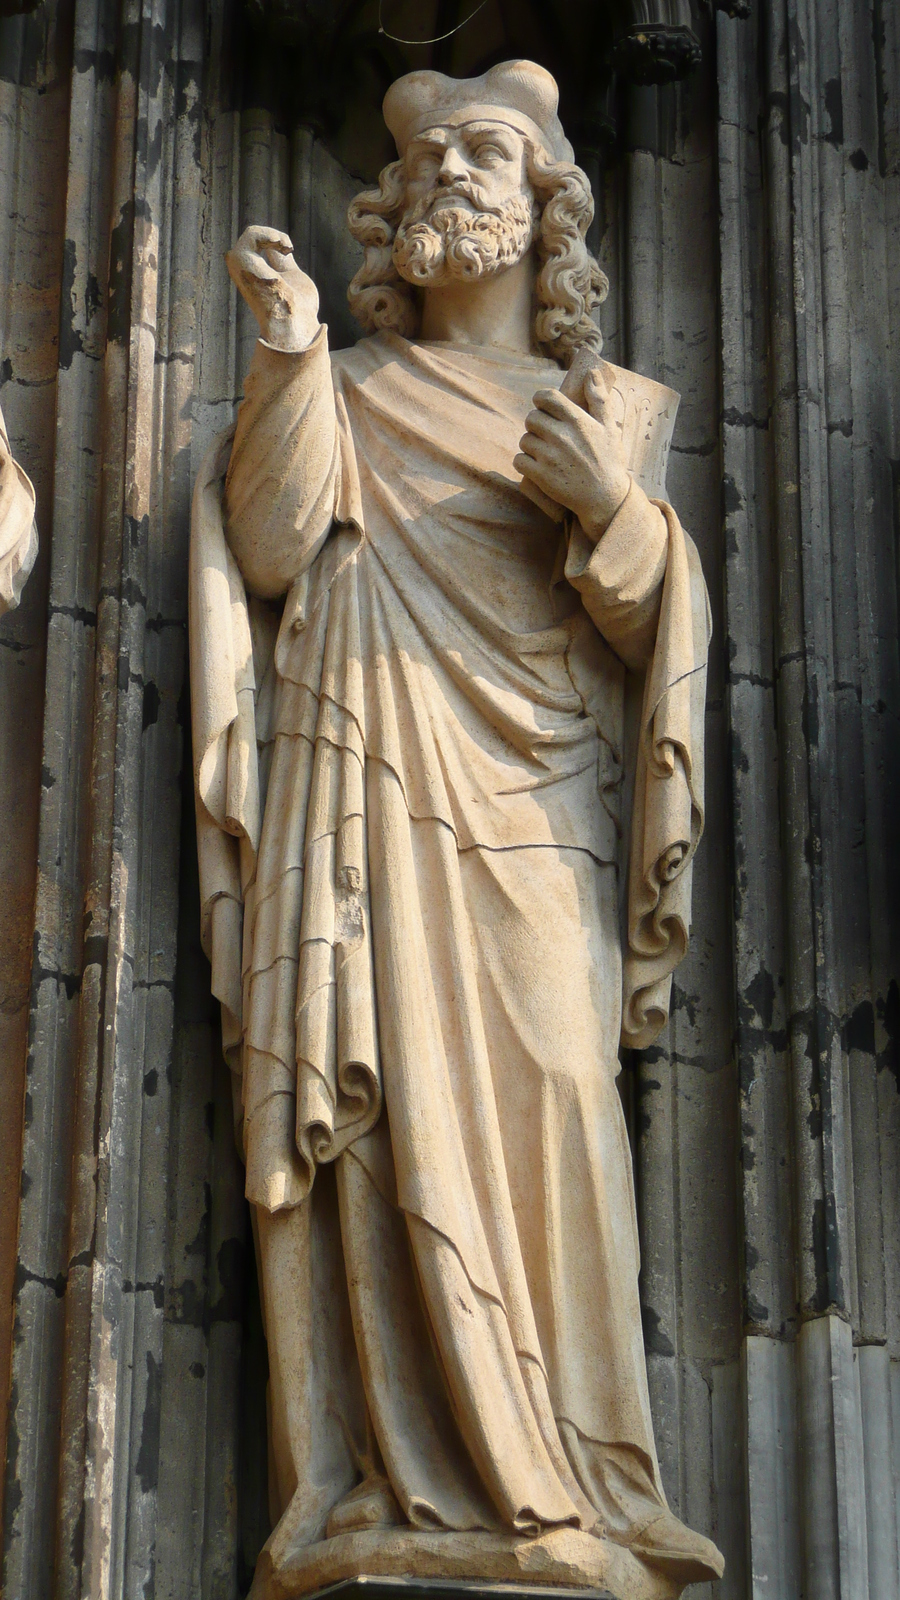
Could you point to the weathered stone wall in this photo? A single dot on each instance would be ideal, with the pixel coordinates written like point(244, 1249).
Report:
point(809, 162)
point(750, 224)
point(33, 112)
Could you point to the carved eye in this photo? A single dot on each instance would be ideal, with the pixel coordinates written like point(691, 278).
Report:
point(424, 165)
point(488, 154)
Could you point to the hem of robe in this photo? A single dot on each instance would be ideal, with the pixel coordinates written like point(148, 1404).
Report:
point(648, 1501)
point(305, 1513)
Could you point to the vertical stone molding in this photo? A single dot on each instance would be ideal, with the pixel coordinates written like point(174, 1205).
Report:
point(808, 185)
point(82, 1463)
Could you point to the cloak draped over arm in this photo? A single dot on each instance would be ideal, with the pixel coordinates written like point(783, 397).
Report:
point(648, 598)
point(226, 740)
point(274, 479)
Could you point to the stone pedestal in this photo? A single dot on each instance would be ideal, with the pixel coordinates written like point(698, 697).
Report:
point(405, 1564)
point(366, 1587)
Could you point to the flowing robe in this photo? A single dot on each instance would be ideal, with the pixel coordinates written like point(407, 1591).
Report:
point(419, 881)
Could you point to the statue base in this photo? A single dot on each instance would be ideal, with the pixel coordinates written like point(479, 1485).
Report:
point(406, 1564)
point(367, 1588)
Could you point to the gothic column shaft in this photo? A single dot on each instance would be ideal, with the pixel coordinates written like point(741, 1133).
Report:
point(89, 1320)
point(807, 434)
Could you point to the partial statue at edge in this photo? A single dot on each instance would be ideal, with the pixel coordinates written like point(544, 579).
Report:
point(18, 531)
point(448, 653)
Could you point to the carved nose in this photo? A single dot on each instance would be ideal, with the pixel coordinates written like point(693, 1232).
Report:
point(451, 168)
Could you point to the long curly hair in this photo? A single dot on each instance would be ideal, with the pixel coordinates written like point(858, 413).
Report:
point(569, 283)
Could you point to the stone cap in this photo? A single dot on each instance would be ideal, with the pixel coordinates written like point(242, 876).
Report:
point(520, 94)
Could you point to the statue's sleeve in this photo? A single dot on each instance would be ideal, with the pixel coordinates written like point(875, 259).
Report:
point(18, 534)
point(282, 479)
point(620, 576)
point(264, 502)
point(648, 598)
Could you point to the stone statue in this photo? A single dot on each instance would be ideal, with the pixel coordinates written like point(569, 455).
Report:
point(18, 533)
point(444, 871)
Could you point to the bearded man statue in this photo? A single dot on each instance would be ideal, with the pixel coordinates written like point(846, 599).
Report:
point(441, 882)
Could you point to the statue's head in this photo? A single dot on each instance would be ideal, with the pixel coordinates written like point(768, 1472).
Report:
point(485, 176)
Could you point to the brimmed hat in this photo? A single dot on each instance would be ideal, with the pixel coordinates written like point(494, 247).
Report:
point(518, 93)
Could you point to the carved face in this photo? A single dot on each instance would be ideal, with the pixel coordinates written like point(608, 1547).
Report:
point(470, 209)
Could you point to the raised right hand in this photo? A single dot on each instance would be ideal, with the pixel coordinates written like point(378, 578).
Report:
point(284, 301)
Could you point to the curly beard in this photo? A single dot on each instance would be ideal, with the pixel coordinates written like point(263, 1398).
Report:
point(457, 243)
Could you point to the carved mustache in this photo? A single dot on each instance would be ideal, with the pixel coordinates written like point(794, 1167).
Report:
point(460, 190)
